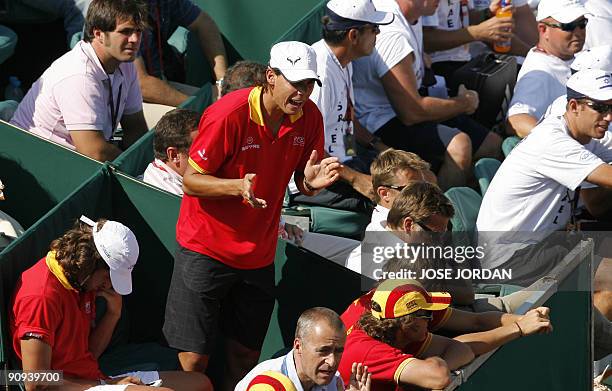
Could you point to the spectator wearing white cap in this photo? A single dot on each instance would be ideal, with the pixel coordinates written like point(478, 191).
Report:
point(53, 309)
point(599, 29)
point(248, 146)
point(534, 190)
point(542, 78)
point(388, 103)
point(349, 32)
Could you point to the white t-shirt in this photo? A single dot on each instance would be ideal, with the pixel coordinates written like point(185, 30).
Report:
point(73, 94)
point(286, 366)
point(599, 28)
point(542, 79)
point(451, 15)
point(394, 43)
point(160, 175)
point(332, 100)
point(533, 189)
point(377, 224)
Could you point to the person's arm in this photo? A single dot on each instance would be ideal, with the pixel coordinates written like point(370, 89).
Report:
point(455, 353)
point(520, 124)
point(535, 321)
point(156, 90)
point(93, 144)
point(491, 30)
point(597, 201)
point(362, 183)
point(100, 336)
point(134, 126)
point(212, 45)
point(601, 176)
point(400, 84)
point(367, 139)
point(36, 356)
point(431, 373)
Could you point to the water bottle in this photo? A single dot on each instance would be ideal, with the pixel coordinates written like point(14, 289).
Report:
point(503, 46)
point(13, 91)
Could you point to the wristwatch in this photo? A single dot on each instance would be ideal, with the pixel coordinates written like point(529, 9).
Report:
point(373, 142)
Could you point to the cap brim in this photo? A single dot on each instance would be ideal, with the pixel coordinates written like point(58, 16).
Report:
point(121, 280)
point(382, 18)
point(603, 96)
point(297, 75)
point(439, 301)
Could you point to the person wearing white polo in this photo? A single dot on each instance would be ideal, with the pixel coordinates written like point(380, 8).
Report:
point(561, 27)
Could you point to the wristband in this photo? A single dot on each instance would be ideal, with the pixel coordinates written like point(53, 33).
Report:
point(219, 83)
point(308, 186)
point(520, 330)
point(373, 141)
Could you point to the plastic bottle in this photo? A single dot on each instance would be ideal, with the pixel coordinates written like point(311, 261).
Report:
point(13, 90)
point(503, 46)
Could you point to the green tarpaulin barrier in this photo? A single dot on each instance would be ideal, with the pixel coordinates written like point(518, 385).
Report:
point(37, 174)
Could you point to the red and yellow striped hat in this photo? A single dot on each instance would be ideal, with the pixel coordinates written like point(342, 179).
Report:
point(271, 381)
point(395, 298)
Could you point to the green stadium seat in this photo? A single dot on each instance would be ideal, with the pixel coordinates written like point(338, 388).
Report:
point(8, 41)
point(467, 204)
point(509, 144)
point(484, 170)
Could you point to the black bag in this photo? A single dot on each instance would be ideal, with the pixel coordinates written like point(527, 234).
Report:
point(493, 76)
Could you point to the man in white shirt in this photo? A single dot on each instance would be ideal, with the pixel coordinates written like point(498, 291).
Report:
point(313, 362)
point(349, 32)
point(388, 103)
point(82, 97)
point(391, 171)
point(174, 134)
point(561, 25)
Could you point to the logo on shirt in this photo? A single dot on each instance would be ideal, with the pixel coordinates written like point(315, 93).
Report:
point(249, 144)
point(585, 155)
point(298, 141)
point(201, 153)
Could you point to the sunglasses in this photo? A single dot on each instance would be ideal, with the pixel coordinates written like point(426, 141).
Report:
point(374, 27)
point(568, 27)
point(423, 226)
point(601, 108)
point(395, 187)
point(422, 314)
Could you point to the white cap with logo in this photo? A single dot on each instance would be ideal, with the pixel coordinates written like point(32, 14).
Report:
point(598, 57)
point(118, 246)
point(563, 11)
point(346, 11)
point(296, 60)
point(591, 83)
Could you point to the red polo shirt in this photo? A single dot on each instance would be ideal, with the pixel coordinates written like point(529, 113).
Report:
point(233, 141)
point(61, 317)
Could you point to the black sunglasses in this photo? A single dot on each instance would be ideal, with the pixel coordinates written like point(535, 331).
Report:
point(568, 27)
point(601, 108)
point(423, 226)
point(422, 314)
point(395, 187)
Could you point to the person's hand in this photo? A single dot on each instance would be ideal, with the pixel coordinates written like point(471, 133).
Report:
point(495, 29)
point(126, 380)
point(248, 197)
point(470, 97)
point(360, 378)
point(536, 321)
point(294, 233)
point(114, 301)
point(323, 174)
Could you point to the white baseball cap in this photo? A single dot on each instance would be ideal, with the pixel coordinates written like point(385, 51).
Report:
point(118, 246)
point(296, 60)
point(591, 83)
point(598, 57)
point(346, 14)
point(563, 11)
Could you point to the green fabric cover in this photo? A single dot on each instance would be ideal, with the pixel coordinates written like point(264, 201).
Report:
point(37, 174)
point(200, 101)
point(509, 144)
point(136, 158)
point(484, 170)
point(467, 204)
point(337, 222)
point(8, 41)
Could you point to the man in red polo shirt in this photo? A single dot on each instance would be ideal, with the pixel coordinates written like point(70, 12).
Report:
point(249, 144)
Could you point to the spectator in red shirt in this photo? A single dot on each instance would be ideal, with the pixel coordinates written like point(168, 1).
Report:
point(250, 143)
point(53, 309)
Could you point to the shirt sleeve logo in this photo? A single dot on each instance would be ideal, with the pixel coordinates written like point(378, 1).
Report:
point(202, 154)
point(298, 141)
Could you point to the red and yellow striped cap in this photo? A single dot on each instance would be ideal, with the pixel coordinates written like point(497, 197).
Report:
point(271, 381)
point(395, 298)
